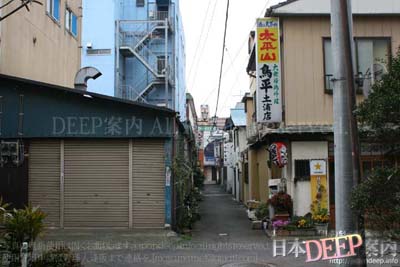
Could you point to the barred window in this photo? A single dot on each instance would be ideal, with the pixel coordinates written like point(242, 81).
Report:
point(302, 170)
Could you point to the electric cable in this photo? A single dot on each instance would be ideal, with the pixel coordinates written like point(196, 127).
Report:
point(222, 57)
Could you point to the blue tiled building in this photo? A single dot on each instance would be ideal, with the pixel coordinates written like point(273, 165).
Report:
point(138, 45)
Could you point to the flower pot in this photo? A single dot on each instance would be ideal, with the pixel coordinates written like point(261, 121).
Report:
point(321, 228)
point(281, 216)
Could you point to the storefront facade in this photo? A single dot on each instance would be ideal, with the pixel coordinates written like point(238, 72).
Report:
point(89, 161)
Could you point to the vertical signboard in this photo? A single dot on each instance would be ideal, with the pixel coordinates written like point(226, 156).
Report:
point(319, 182)
point(268, 71)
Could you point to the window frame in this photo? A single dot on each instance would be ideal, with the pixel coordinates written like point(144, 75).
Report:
point(140, 3)
point(328, 38)
point(304, 177)
point(50, 11)
point(246, 172)
point(69, 22)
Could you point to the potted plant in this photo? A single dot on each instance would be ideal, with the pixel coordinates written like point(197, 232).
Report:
point(262, 211)
point(282, 204)
point(279, 225)
point(320, 218)
point(320, 215)
point(261, 216)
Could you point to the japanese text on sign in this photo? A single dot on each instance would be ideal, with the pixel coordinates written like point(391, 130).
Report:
point(268, 71)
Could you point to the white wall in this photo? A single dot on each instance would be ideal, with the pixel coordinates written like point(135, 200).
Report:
point(229, 165)
point(242, 139)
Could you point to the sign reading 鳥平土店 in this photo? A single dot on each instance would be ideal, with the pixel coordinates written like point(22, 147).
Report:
point(268, 71)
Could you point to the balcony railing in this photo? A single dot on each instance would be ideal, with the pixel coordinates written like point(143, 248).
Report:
point(161, 16)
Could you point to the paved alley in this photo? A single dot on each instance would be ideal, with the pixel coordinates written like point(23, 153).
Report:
point(223, 237)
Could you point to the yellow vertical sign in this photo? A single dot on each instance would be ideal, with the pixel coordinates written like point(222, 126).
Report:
point(268, 40)
point(319, 182)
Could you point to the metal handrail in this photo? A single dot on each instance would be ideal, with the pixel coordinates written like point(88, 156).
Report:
point(129, 93)
point(129, 39)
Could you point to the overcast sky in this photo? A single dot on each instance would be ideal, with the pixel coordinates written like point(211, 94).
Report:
point(203, 23)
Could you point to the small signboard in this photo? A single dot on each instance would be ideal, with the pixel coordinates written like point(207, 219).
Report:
point(318, 167)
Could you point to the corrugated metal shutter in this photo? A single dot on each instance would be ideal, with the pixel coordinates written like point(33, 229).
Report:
point(148, 184)
point(44, 179)
point(96, 183)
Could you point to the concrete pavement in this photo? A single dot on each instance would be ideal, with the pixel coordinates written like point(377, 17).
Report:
point(223, 237)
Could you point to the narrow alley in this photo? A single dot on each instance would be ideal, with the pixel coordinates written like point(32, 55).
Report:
point(222, 238)
point(223, 219)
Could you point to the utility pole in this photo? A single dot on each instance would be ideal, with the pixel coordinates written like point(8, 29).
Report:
point(347, 155)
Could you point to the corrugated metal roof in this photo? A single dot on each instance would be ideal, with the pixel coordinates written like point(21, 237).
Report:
point(238, 116)
point(40, 86)
point(322, 7)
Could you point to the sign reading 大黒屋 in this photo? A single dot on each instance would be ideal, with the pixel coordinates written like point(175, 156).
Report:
point(268, 71)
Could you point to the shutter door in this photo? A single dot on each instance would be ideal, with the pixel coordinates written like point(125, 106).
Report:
point(96, 183)
point(148, 184)
point(44, 179)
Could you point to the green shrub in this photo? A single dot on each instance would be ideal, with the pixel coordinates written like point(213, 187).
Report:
point(290, 227)
point(382, 211)
point(3, 210)
point(58, 257)
point(198, 177)
point(3, 252)
point(262, 211)
point(23, 225)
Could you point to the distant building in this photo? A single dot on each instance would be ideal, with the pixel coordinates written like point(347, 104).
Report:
point(235, 144)
point(211, 142)
point(139, 48)
point(42, 44)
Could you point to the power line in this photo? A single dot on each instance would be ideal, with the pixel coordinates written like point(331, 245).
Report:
point(237, 52)
point(200, 37)
point(222, 58)
point(204, 45)
point(234, 83)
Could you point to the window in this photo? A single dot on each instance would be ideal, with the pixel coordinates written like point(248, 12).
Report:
point(161, 65)
point(236, 137)
point(302, 170)
point(140, 3)
point(246, 173)
point(71, 22)
point(370, 54)
point(53, 9)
